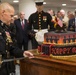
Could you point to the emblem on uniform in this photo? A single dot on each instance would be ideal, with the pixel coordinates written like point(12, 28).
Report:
point(2, 24)
point(8, 37)
point(73, 22)
point(34, 21)
point(44, 18)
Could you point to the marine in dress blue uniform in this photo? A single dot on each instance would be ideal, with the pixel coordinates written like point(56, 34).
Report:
point(7, 49)
point(39, 20)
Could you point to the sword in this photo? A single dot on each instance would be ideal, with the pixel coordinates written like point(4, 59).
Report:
point(9, 60)
point(13, 59)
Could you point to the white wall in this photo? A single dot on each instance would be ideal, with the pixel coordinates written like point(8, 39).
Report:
point(16, 6)
point(28, 6)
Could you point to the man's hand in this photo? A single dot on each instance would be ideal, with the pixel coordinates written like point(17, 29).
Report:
point(28, 54)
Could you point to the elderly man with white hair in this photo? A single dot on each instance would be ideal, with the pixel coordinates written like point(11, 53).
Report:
point(64, 17)
point(7, 48)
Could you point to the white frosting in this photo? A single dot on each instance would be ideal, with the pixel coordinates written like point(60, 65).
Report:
point(40, 35)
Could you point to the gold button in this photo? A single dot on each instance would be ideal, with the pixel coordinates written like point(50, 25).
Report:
point(39, 28)
point(39, 17)
point(39, 14)
point(39, 25)
point(39, 22)
point(34, 21)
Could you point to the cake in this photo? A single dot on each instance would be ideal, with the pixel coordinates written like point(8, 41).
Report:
point(59, 44)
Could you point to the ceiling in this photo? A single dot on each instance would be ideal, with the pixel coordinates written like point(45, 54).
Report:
point(53, 3)
point(58, 3)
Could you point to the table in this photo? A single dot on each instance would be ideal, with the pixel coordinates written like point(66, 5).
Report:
point(43, 65)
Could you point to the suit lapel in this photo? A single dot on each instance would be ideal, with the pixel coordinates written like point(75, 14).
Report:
point(25, 21)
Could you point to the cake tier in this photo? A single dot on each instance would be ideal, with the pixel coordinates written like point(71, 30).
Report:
point(59, 44)
point(60, 38)
point(58, 50)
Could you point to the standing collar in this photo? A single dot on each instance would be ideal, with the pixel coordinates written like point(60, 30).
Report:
point(39, 12)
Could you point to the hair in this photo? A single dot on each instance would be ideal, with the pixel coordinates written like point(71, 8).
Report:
point(6, 6)
point(62, 11)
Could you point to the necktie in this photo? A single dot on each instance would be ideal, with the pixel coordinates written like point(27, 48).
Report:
point(22, 24)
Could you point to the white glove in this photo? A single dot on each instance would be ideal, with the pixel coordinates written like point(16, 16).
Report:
point(39, 36)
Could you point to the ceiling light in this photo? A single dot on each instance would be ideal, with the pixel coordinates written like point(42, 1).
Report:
point(16, 1)
point(63, 4)
point(44, 2)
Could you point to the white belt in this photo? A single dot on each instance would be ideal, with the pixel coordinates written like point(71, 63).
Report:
point(36, 30)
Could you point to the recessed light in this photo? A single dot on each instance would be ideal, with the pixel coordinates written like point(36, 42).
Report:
point(16, 1)
point(44, 2)
point(63, 4)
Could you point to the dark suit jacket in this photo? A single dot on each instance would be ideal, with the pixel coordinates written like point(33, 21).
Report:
point(20, 33)
point(71, 26)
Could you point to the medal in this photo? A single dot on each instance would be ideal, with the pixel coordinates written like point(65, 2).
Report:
point(44, 18)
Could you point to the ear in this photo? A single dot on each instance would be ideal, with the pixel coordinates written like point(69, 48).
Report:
point(3, 11)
